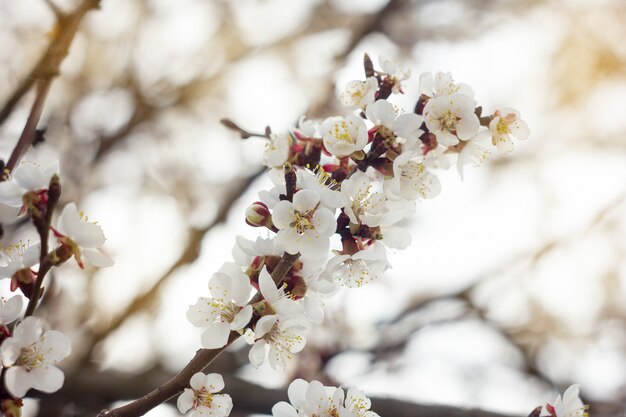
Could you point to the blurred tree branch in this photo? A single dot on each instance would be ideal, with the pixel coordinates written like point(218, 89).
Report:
point(48, 65)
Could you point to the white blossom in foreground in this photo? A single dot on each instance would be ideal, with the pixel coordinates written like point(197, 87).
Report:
point(359, 269)
point(359, 93)
point(82, 236)
point(315, 399)
point(304, 226)
point(506, 124)
point(569, 405)
point(280, 338)
point(227, 309)
point(310, 399)
point(344, 136)
point(10, 309)
point(451, 118)
point(320, 181)
point(411, 179)
point(202, 397)
point(31, 355)
point(28, 176)
point(277, 150)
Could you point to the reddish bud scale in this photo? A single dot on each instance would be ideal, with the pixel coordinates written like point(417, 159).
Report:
point(421, 103)
point(12, 407)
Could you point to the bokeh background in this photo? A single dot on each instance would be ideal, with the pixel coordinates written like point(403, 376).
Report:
point(514, 285)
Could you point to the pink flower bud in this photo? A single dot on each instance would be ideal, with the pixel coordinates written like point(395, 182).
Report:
point(258, 215)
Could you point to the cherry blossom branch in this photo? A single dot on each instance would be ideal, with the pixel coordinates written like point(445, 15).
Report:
point(202, 359)
point(42, 223)
point(48, 65)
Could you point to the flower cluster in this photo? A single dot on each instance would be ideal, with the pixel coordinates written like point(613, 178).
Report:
point(341, 188)
point(315, 399)
point(28, 353)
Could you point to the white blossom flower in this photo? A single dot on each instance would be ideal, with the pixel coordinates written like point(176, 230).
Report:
point(406, 125)
point(396, 73)
point(473, 152)
point(227, 310)
point(506, 124)
point(368, 206)
point(344, 136)
point(451, 118)
point(277, 150)
point(411, 179)
point(570, 405)
point(10, 309)
point(360, 268)
point(83, 237)
point(245, 251)
point(31, 355)
point(442, 84)
point(358, 405)
point(17, 257)
point(321, 182)
point(202, 397)
point(303, 225)
point(280, 338)
point(311, 399)
point(28, 176)
point(360, 93)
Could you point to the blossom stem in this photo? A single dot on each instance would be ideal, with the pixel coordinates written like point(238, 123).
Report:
point(202, 359)
point(43, 228)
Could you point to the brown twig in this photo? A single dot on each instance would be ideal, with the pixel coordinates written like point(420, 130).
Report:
point(43, 228)
point(200, 361)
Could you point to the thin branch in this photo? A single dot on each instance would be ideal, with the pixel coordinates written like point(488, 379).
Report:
point(29, 134)
point(43, 228)
point(200, 361)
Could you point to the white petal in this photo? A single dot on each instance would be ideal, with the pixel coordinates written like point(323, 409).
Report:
point(214, 383)
point(467, 127)
point(17, 381)
point(283, 214)
point(325, 223)
point(198, 381)
point(55, 346)
point(241, 288)
point(283, 409)
point(97, 258)
point(12, 309)
point(28, 331)
point(264, 325)
point(305, 200)
point(297, 392)
point(29, 176)
point(222, 404)
point(397, 238)
point(11, 193)
point(185, 400)
point(267, 286)
point(49, 379)
point(242, 318)
point(257, 353)
point(215, 336)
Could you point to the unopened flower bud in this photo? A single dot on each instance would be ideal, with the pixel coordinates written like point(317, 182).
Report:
point(258, 215)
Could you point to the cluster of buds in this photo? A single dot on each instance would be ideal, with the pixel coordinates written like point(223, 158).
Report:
point(354, 176)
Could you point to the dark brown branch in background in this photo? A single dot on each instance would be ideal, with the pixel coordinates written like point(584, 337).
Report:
point(203, 358)
point(48, 65)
